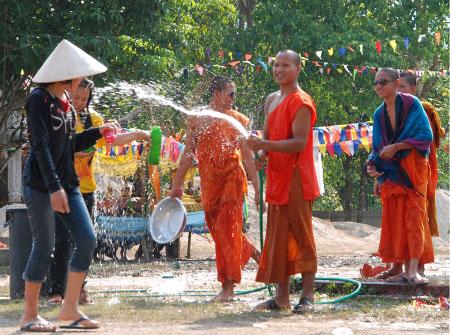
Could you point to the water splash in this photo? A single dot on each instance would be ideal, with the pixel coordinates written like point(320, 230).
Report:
point(147, 92)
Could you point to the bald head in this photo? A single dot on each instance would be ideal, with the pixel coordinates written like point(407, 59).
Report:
point(295, 57)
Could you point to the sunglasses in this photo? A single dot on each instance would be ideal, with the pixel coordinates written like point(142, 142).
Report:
point(232, 94)
point(87, 84)
point(382, 82)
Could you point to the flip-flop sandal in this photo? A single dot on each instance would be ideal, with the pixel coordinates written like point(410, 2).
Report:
point(78, 324)
point(399, 279)
point(402, 279)
point(304, 305)
point(55, 302)
point(39, 327)
point(270, 305)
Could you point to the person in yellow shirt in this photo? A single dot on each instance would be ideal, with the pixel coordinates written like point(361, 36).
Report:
point(85, 119)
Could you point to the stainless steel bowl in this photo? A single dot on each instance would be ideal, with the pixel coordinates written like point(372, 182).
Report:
point(168, 220)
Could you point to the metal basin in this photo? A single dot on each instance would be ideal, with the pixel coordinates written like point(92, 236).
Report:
point(168, 220)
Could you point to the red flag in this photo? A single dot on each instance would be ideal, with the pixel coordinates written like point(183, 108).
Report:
point(378, 46)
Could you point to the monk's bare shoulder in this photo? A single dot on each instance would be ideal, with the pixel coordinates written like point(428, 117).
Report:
point(271, 102)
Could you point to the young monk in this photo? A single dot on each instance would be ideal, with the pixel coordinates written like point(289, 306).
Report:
point(401, 140)
point(221, 161)
point(408, 84)
point(289, 247)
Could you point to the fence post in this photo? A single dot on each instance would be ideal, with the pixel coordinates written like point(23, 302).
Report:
point(19, 249)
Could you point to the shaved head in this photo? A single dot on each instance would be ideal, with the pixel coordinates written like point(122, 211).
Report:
point(292, 54)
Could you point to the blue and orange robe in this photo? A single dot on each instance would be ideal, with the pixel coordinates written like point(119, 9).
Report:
point(405, 232)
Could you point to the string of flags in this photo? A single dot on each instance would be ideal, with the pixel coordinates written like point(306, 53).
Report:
point(238, 61)
point(171, 149)
point(343, 139)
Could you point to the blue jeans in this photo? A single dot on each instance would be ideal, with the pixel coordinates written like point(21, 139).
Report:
point(42, 224)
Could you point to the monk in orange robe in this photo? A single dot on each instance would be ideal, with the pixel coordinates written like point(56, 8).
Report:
point(408, 83)
point(401, 140)
point(223, 160)
point(289, 248)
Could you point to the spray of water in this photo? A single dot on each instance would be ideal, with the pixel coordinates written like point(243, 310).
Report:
point(147, 92)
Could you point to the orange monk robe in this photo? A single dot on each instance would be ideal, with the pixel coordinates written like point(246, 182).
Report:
point(289, 246)
point(223, 183)
point(438, 132)
point(404, 230)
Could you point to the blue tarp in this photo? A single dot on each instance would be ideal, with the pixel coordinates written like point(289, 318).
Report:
point(134, 229)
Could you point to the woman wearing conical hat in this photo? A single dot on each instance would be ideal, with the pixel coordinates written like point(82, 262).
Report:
point(51, 184)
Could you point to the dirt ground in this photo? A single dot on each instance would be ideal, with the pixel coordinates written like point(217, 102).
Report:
point(149, 298)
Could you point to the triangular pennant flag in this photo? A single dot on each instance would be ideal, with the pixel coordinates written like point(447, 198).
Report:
point(350, 48)
point(230, 54)
point(323, 149)
point(350, 147)
point(341, 52)
point(239, 55)
point(355, 71)
point(344, 148)
point(378, 47)
point(393, 45)
point(365, 143)
point(421, 37)
point(248, 57)
point(199, 69)
point(328, 70)
point(270, 59)
point(233, 64)
point(340, 71)
point(406, 42)
point(337, 149)
point(264, 65)
point(330, 149)
point(321, 70)
point(361, 49)
point(319, 54)
point(330, 51)
point(437, 37)
point(346, 69)
point(320, 136)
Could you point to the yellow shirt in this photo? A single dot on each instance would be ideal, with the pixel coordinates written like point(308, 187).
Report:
point(83, 165)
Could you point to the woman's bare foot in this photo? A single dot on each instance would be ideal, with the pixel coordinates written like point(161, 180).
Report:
point(37, 324)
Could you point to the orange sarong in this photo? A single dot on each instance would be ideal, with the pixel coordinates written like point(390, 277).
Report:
point(289, 246)
point(438, 132)
point(223, 183)
point(405, 233)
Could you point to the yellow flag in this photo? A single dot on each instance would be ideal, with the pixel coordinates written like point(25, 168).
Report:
point(330, 51)
point(323, 149)
point(365, 143)
point(393, 45)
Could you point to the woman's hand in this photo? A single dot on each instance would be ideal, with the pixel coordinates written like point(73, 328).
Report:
point(59, 201)
point(109, 127)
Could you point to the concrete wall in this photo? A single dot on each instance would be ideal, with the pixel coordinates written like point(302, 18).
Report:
point(371, 217)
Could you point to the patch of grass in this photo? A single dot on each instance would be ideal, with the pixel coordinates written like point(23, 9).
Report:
point(199, 310)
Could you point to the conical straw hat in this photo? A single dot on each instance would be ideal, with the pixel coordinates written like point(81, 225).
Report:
point(67, 62)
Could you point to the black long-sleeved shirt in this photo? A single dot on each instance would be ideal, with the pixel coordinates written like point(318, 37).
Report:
point(53, 143)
